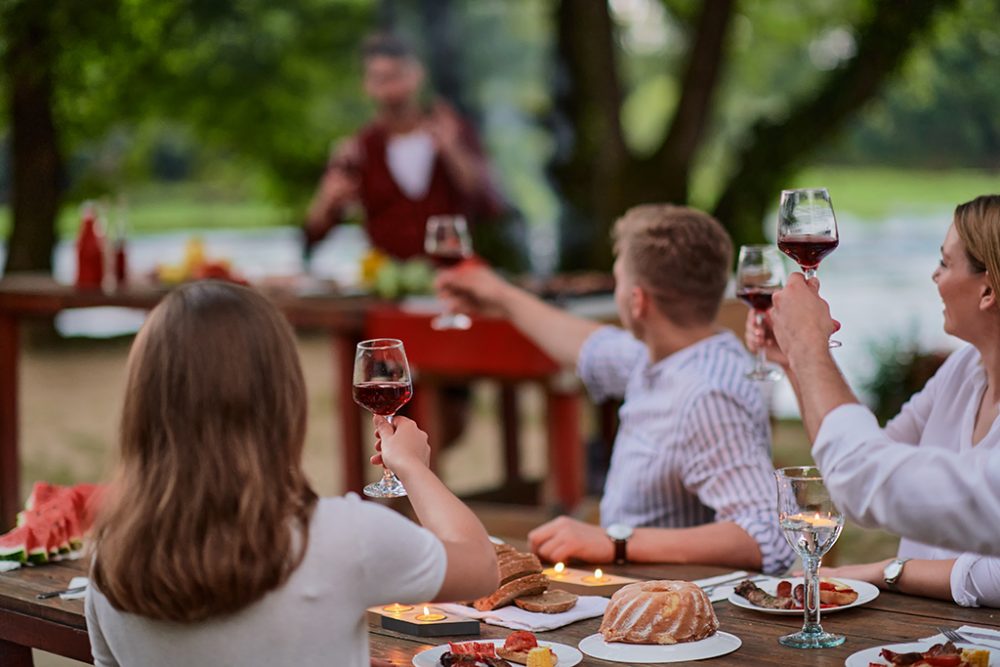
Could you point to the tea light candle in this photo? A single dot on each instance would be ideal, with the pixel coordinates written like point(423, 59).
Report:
point(815, 520)
point(427, 616)
point(556, 572)
point(396, 608)
point(597, 578)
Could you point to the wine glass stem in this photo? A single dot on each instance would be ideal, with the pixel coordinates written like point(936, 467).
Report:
point(811, 595)
point(809, 273)
point(387, 474)
point(761, 351)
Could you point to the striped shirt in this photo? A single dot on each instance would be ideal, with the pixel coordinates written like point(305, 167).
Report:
point(693, 443)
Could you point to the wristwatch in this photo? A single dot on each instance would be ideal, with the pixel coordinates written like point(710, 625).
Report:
point(892, 572)
point(619, 534)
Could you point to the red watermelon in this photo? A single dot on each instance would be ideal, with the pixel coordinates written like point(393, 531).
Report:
point(53, 523)
point(14, 545)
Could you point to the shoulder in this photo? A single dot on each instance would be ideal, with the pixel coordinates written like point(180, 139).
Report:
point(961, 363)
point(715, 374)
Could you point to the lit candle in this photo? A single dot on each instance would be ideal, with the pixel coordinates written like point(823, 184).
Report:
point(429, 617)
point(816, 520)
point(597, 578)
point(557, 572)
point(396, 608)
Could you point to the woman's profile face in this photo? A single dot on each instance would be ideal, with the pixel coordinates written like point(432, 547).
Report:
point(960, 287)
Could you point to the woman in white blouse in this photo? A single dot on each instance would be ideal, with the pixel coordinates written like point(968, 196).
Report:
point(956, 411)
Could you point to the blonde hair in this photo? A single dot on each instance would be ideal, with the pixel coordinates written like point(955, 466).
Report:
point(680, 255)
point(978, 225)
point(210, 508)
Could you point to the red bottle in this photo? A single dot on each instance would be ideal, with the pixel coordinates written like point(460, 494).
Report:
point(89, 252)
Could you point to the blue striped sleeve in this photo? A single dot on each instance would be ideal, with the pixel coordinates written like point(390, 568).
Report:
point(606, 361)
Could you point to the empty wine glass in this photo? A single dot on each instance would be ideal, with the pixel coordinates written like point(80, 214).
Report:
point(447, 243)
point(759, 274)
point(811, 524)
point(382, 385)
point(807, 229)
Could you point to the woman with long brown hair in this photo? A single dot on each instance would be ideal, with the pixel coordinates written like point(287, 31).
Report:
point(211, 546)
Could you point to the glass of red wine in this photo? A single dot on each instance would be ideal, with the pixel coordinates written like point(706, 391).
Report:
point(447, 243)
point(759, 274)
point(807, 229)
point(382, 385)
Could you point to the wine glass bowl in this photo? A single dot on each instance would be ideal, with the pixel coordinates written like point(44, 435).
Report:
point(447, 242)
point(382, 385)
point(759, 274)
point(811, 524)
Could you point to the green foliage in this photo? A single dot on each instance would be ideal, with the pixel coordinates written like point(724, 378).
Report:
point(902, 370)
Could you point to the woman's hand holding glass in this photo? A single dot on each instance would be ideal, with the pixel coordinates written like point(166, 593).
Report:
point(400, 444)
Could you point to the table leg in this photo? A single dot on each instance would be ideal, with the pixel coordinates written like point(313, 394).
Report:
point(565, 448)
point(351, 437)
point(511, 435)
point(10, 463)
point(426, 406)
point(15, 655)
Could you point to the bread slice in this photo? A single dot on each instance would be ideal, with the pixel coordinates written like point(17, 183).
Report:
point(514, 565)
point(549, 602)
point(531, 584)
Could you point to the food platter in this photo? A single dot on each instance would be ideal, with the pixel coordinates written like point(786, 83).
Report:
point(866, 593)
point(567, 655)
point(718, 644)
point(874, 654)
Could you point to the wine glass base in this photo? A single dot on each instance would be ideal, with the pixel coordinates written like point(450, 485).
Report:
point(819, 639)
point(765, 374)
point(383, 488)
point(456, 321)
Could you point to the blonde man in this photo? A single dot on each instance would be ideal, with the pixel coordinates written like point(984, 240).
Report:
point(691, 474)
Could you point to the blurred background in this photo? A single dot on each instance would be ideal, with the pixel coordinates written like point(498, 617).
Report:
point(216, 118)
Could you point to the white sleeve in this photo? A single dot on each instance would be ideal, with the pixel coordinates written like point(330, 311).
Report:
point(908, 426)
point(99, 648)
point(975, 581)
point(400, 561)
point(606, 361)
point(924, 493)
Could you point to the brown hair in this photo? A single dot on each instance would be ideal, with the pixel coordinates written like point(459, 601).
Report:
point(210, 508)
point(680, 255)
point(978, 225)
point(387, 45)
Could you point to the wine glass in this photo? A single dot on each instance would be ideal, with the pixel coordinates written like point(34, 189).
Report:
point(811, 524)
point(759, 274)
point(382, 386)
point(807, 229)
point(447, 243)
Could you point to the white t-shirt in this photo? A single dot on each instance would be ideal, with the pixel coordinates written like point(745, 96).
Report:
point(359, 555)
point(411, 161)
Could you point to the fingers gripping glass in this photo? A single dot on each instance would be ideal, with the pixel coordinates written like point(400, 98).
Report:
point(382, 385)
point(447, 243)
point(811, 524)
point(807, 229)
point(759, 274)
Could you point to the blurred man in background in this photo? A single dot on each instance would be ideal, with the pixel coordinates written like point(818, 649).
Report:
point(414, 160)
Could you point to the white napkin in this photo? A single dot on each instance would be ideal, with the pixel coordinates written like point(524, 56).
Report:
point(515, 618)
point(76, 582)
point(722, 592)
point(994, 642)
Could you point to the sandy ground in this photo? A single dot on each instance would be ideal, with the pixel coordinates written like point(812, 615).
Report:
point(71, 397)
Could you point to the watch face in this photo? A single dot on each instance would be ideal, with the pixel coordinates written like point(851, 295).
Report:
point(619, 531)
point(892, 570)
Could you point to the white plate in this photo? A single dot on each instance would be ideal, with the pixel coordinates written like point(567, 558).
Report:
point(874, 654)
point(866, 593)
point(567, 656)
point(718, 644)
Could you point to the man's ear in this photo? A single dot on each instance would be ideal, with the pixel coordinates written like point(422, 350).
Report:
point(639, 303)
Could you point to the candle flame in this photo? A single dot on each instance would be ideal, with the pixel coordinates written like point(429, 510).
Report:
point(427, 611)
point(559, 568)
point(598, 573)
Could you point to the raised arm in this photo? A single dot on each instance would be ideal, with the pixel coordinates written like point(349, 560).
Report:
point(477, 289)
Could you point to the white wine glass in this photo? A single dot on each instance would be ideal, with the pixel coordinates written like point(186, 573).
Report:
point(811, 524)
point(759, 274)
point(382, 385)
point(447, 242)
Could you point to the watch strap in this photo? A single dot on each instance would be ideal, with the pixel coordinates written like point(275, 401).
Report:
point(621, 557)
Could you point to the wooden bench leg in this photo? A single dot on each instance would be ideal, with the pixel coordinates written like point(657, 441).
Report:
point(565, 448)
point(15, 655)
point(10, 462)
point(511, 434)
point(426, 410)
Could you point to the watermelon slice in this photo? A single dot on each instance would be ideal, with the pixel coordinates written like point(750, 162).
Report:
point(14, 545)
point(38, 550)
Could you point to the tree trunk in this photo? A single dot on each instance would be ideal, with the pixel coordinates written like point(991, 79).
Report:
point(776, 150)
point(35, 158)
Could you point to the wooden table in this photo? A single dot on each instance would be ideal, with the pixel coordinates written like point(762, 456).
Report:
point(59, 627)
point(491, 348)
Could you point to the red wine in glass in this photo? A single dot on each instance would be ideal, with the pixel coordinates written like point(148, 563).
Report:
point(382, 398)
point(757, 299)
point(447, 260)
point(807, 250)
